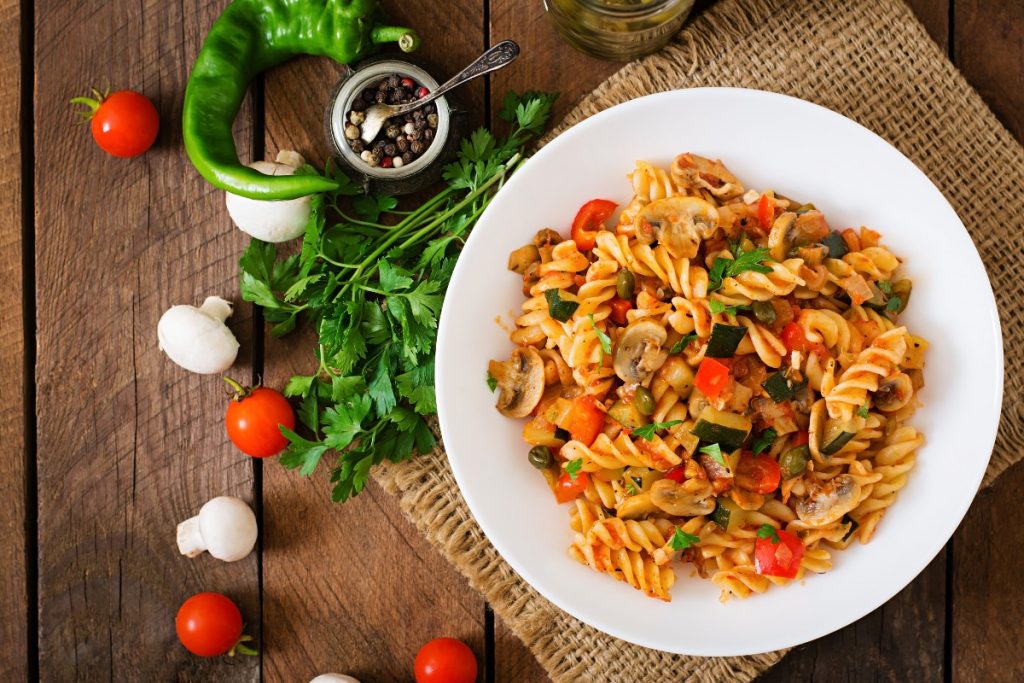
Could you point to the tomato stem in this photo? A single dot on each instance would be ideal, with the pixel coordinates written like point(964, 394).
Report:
point(240, 648)
point(239, 390)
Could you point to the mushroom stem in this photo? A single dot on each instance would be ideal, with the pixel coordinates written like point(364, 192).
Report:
point(216, 307)
point(190, 538)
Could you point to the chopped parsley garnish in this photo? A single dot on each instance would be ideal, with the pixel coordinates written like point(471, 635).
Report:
point(632, 487)
point(717, 306)
point(764, 441)
point(606, 341)
point(647, 431)
point(769, 532)
point(681, 540)
point(863, 410)
point(682, 343)
point(885, 286)
point(558, 308)
point(723, 267)
point(715, 451)
point(491, 382)
point(572, 468)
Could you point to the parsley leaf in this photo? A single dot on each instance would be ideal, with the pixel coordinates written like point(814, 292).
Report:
point(863, 410)
point(604, 339)
point(631, 487)
point(558, 308)
point(717, 306)
point(764, 441)
point(682, 343)
point(894, 304)
point(768, 531)
point(715, 451)
point(572, 468)
point(885, 286)
point(681, 540)
point(646, 432)
point(723, 267)
point(492, 383)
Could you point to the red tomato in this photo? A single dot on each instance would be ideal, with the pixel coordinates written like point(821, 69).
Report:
point(208, 624)
point(124, 123)
point(799, 439)
point(568, 488)
point(794, 339)
point(677, 473)
point(585, 419)
point(445, 660)
point(589, 220)
point(765, 212)
point(760, 473)
point(253, 420)
point(712, 377)
point(619, 309)
point(778, 558)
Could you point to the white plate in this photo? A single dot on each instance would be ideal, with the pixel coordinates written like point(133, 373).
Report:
point(801, 150)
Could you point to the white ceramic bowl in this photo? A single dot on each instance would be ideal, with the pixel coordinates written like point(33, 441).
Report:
point(801, 150)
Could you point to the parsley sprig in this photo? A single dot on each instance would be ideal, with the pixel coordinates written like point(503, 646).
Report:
point(769, 532)
point(646, 432)
point(572, 468)
point(681, 540)
point(715, 451)
point(723, 267)
point(371, 280)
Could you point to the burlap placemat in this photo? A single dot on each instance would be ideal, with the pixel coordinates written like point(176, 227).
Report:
point(871, 61)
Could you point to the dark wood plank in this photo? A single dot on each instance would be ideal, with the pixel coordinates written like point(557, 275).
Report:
point(14, 599)
point(129, 443)
point(512, 660)
point(988, 599)
point(354, 588)
point(934, 14)
point(988, 47)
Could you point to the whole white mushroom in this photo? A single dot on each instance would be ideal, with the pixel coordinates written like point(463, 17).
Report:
point(334, 678)
point(225, 527)
point(272, 221)
point(197, 338)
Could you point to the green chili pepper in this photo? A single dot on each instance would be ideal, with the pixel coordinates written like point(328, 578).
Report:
point(251, 36)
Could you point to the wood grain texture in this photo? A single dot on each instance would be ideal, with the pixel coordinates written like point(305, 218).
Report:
point(934, 14)
point(14, 599)
point(512, 660)
point(354, 588)
point(988, 48)
point(988, 597)
point(129, 444)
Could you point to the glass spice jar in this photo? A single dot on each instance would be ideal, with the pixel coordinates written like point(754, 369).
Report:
point(618, 30)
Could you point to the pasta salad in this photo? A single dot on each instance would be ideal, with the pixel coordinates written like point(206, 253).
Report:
point(716, 378)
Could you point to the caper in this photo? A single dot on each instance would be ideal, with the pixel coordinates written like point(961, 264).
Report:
point(794, 461)
point(643, 400)
point(540, 457)
point(625, 284)
point(764, 312)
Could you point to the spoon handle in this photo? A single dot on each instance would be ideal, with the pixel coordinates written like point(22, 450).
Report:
point(500, 55)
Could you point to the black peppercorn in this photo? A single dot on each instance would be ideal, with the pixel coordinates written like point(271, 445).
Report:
point(358, 104)
point(368, 95)
point(392, 132)
point(381, 97)
point(382, 84)
point(394, 80)
point(430, 108)
point(389, 150)
point(416, 147)
point(402, 143)
point(356, 145)
point(415, 135)
point(428, 134)
point(407, 157)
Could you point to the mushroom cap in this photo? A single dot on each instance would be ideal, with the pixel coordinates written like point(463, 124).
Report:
point(228, 527)
point(270, 221)
point(678, 223)
point(682, 499)
point(196, 339)
point(639, 352)
point(894, 392)
point(829, 501)
point(334, 678)
point(781, 237)
point(520, 381)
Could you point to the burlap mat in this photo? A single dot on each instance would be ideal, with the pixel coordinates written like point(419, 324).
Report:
point(871, 61)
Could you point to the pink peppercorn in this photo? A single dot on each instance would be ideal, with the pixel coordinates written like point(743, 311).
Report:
point(421, 92)
point(386, 162)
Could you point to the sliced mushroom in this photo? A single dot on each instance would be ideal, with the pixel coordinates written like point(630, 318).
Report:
point(782, 236)
point(520, 381)
point(679, 223)
point(547, 238)
point(640, 353)
point(692, 170)
point(521, 259)
point(747, 500)
point(636, 506)
point(682, 500)
point(894, 392)
point(829, 501)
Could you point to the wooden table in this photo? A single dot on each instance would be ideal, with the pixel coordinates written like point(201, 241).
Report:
point(106, 445)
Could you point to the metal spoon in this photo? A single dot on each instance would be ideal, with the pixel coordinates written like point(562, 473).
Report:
point(500, 55)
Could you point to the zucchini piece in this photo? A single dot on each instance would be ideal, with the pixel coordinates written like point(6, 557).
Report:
point(724, 340)
point(780, 387)
point(837, 434)
point(627, 414)
point(727, 515)
point(717, 426)
point(836, 245)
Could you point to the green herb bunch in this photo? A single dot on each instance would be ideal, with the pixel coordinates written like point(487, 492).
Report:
point(371, 279)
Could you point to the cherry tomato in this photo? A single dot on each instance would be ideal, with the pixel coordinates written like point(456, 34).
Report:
point(585, 419)
point(253, 419)
point(589, 220)
point(208, 624)
point(677, 474)
point(445, 660)
point(619, 309)
point(765, 212)
point(124, 123)
point(779, 557)
point(760, 473)
point(568, 489)
point(712, 377)
point(794, 339)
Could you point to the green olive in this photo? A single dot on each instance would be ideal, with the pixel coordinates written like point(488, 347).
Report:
point(625, 284)
point(794, 461)
point(764, 312)
point(644, 401)
point(540, 457)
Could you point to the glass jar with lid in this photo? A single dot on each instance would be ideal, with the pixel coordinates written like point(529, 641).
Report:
point(618, 30)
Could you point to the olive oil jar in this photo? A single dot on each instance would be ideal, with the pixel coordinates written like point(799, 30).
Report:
point(618, 30)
